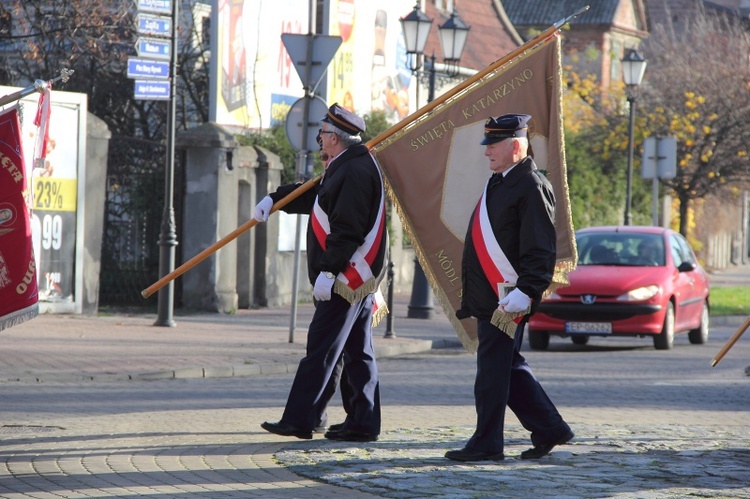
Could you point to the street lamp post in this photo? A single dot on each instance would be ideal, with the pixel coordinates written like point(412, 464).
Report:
point(453, 33)
point(633, 67)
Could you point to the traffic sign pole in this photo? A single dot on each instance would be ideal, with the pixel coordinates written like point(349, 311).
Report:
point(310, 55)
point(659, 161)
point(168, 236)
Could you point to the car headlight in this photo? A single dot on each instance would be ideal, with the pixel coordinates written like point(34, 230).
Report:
point(552, 296)
point(640, 294)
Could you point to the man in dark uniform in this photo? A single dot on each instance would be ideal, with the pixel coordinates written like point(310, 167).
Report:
point(346, 250)
point(508, 262)
point(338, 378)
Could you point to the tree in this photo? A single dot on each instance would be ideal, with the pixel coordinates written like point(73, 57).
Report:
point(275, 140)
point(697, 89)
point(376, 123)
point(596, 140)
point(95, 39)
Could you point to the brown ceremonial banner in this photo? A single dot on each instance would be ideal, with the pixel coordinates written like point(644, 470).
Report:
point(435, 168)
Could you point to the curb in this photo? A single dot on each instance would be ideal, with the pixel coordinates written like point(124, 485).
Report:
point(403, 347)
point(726, 320)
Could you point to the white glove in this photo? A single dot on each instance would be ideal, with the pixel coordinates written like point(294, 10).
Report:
point(323, 287)
point(263, 209)
point(516, 301)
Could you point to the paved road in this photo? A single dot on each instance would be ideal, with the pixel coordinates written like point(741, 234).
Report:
point(104, 407)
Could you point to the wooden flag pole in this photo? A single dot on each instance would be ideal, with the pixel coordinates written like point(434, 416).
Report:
point(226, 239)
point(731, 342)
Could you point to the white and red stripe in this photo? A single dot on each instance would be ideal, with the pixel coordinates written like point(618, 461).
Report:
point(494, 263)
point(359, 268)
point(41, 120)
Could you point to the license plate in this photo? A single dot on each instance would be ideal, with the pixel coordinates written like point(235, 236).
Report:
point(588, 327)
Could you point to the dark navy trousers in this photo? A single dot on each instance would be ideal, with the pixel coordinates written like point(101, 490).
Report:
point(337, 327)
point(340, 380)
point(504, 378)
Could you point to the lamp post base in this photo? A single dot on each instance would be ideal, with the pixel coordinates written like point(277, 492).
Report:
point(420, 306)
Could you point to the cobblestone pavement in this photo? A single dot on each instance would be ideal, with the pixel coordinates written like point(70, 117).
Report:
point(603, 461)
point(114, 407)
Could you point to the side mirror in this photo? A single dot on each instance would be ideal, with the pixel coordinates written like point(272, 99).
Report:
point(686, 267)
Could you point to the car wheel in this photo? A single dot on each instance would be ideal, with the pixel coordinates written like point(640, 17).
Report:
point(538, 340)
point(699, 335)
point(579, 339)
point(665, 339)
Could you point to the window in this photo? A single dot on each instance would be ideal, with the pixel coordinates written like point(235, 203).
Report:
point(201, 26)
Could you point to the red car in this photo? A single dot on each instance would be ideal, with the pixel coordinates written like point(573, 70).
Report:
point(630, 281)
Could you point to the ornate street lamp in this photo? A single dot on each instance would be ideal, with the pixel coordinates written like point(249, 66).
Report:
point(415, 27)
point(453, 33)
point(633, 67)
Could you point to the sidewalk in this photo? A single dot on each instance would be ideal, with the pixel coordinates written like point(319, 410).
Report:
point(201, 345)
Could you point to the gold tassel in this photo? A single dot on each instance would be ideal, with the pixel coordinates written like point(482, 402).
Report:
point(379, 314)
point(504, 321)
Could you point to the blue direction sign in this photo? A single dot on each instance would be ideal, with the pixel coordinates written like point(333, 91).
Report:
point(153, 48)
point(152, 90)
point(156, 6)
point(154, 25)
point(140, 68)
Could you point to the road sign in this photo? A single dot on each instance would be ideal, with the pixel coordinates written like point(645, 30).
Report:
point(139, 68)
point(295, 123)
point(324, 47)
point(155, 6)
point(152, 90)
point(659, 157)
point(154, 48)
point(154, 25)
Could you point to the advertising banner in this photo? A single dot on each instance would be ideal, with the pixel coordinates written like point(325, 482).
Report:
point(56, 208)
point(18, 285)
point(369, 71)
point(256, 80)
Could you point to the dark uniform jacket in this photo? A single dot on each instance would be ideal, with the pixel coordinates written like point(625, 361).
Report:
point(521, 209)
point(350, 194)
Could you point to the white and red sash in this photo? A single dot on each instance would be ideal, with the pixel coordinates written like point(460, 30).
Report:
point(495, 265)
point(357, 280)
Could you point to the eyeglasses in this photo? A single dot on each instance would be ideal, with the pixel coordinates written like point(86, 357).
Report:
point(324, 131)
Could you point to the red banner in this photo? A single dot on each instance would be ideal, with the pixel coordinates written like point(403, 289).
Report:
point(435, 167)
point(18, 283)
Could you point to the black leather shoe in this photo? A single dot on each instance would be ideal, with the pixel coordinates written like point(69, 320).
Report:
point(286, 430)
point(544, 449)
point(350, 436)
point(466, 454)
point(336, 427)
